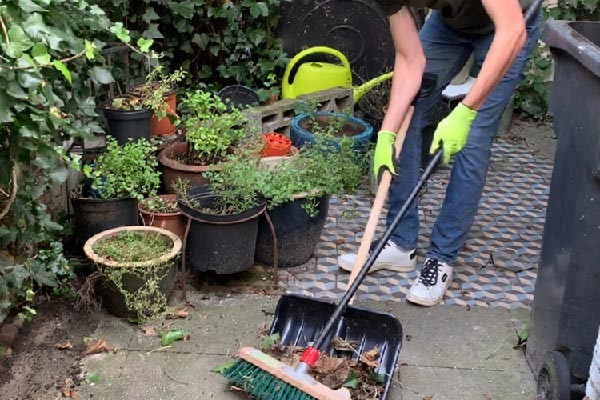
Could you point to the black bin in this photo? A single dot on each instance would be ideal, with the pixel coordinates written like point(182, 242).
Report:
point(566, 307)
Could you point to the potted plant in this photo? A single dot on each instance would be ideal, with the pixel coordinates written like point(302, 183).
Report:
point(130, 115)
point(162, 211)
point(136, 268)
point(306, 124)
point(224, 220)
point(211, 129)
point(160, 92)
point(114, 183)
point(297, 189)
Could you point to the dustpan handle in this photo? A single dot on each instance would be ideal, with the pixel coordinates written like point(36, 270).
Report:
point(375, 253)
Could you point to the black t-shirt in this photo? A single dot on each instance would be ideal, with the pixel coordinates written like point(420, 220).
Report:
point(465, 16)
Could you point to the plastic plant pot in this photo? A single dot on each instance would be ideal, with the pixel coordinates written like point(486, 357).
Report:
point(164, 126)
point(276, 145)
point(128, 124)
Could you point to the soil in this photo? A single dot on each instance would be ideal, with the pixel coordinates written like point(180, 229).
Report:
point(322, 121)
point(36, 368)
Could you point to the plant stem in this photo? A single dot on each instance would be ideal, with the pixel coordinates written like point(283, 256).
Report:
point(4, 30)
point(63, 60)
point(13, 194)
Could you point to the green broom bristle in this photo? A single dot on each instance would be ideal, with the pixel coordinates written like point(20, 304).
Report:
point(261, 384)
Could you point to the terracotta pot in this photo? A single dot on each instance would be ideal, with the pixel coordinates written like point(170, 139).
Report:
point(276, 145)
point(164, 126)
point(172, 169)
point(172, 222)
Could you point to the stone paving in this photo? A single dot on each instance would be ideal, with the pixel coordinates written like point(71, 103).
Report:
point(497, 265)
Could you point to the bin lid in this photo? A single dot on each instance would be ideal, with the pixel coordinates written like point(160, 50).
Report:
point(579, 39)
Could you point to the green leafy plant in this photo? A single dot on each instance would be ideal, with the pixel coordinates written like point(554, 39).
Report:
point(317, 169)
point(236, 38)
point(146, 301)
point(151, 94)
point(211, 127)
point(157, 204)
point(125, 171)
point(531, 96)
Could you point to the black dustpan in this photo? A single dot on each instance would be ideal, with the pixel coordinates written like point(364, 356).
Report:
point(299, 320)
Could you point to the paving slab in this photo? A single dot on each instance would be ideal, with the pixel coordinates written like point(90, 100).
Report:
point(431, 383)
point(450, 352)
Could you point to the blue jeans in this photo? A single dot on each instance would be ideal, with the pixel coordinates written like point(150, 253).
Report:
point(446, 52)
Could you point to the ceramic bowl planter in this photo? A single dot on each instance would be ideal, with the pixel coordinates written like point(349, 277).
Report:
point(171, 220)
point(302, 129)
point(125, 124)
point(173, 170)
point(221, 243)
point(297, 233)
point(136, 290)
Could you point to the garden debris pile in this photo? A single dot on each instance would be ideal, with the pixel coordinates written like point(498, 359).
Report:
point(358, 376)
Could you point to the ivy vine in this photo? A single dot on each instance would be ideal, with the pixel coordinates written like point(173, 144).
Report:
point(531, 96)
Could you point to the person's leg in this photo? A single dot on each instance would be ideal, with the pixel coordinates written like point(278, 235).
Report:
point(467, 178)
point(446, 54)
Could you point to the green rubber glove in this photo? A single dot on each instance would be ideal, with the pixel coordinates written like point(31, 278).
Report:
point(453, 131)
point(384, 152)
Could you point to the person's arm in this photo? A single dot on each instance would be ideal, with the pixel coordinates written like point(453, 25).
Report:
point(409, 64)
point(509, 38)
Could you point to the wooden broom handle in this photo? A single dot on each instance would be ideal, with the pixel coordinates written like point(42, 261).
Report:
point(378, 203)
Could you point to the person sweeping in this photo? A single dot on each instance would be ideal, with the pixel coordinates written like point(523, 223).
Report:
point(500, 41)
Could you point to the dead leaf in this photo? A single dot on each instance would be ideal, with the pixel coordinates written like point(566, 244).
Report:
point(329, 364)
point(64, 346)
point(70, 394)
point(370, 357)
point(428, 398)
point(343, 345)
point(179, 313)
point(66, 391)
point(340, 241)
point(96, 346)
point(149, 330)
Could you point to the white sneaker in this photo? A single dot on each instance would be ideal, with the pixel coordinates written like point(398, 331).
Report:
point(392, 258)
point(431, 284)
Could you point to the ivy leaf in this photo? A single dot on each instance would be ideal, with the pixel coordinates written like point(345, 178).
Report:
point(120, 32)
point(150, 15)
point(15, 91)
point(270, 340)
point(144, 44)
point(259, 9)
point(351, 381)
point(153, 32)
point(59, 175)
point(221, 368)
point(59, 65)
point(89, 50)
point(172, 336)
point(101, 75)
point(29, 6)
point(201, 40)
point(40, 54)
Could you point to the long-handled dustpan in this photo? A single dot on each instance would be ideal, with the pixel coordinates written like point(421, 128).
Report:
point(303, 321)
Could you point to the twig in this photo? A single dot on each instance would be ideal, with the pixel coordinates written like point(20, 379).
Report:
point(63, 60)
point(4, 30)
point(13, 194)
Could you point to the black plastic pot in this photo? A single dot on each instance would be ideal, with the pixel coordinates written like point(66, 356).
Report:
point(221, 243)
point(92, 216)
point(297, 233)
point(123, 124)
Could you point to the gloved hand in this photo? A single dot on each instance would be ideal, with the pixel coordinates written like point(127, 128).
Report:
point(453, 131)
point(384, 152)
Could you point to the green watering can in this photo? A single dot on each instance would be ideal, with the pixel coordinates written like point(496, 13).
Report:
point(316, 75)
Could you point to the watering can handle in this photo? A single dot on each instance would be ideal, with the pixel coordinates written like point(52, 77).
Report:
point(312, 50)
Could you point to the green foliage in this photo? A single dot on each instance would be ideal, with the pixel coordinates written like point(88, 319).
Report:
point(211, 126)
point(318, 168)
point(125, 171)
point(151, 93)
point(48, 50)
point(217, 42)
point(531, 96)
point(136, 246)
point(157, 204)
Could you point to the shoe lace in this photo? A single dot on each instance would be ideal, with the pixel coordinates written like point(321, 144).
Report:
point(429, 273)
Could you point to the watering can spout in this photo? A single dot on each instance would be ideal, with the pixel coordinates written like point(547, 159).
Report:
point(361, 90)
